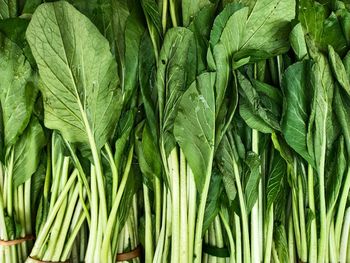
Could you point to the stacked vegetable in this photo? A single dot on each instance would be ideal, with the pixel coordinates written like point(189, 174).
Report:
point(200, 131)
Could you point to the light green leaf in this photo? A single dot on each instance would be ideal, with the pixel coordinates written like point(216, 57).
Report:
point(268, 20)
point(297, 41)
point(194, 127)
point(79, 77)
point(342, 108)
point(220, 22)
point(17, 92)
point(27, 152)
point(190, 8)
point(339, 69)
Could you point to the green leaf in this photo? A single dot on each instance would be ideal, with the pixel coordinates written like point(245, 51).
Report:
point(79, 77)
point(342, 108)
point(339, 69)
point(133, 33)
point(259, 110)
point(220, 22)
point(30, 6)
point(276, 179)
point(281, 243)
point(190, 8)
point(17, 91)
point(274, 26)
point(147, 155)
point(150, 8)
point(213, 201)
point(335, 176)
point(297, 41)
point(224, 50)
point(253, 121)
point(252, 181)
point(323, 30)
point(297, 96)
point(8, 8)
point(174, 74)
point(323, 92)
point(201, 26)
point(194, 127)
point(225, 159)
point(146, 82)
point(27, 152)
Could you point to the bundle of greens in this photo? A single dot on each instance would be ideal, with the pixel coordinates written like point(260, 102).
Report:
point(201, 131)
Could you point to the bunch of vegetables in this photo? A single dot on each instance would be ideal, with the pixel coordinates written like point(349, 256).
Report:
point(174, 131)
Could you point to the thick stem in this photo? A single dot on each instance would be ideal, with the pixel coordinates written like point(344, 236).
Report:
point(94, 217)
point(173, 164)
point(230, 237)
point(269, 235)
point(173, 12)
point(345, 237)
point(158, 207)
point(238, 239)
point(255, 222)
point(303, 240)
point(313, 227)
point(200, 216)
point(148, 226)
point(291, 244)
point(244, 216)
point(51, 217)
point(192, 197)
point(105, 248)
point(183, 209)
point(161, 239)
point(341, 208)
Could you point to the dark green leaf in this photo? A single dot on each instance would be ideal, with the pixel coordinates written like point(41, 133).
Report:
point(27, 152)
point(17, 91)
point(296, 89)
point(251, 188)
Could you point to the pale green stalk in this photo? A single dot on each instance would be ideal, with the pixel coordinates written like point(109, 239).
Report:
point(269, 235)
point(313, 227)
point(345, 237)
point(148, 226)
point(173, 164)
point(192, 205)
point(255, 223)
point(230, 238)
point(184, 244)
